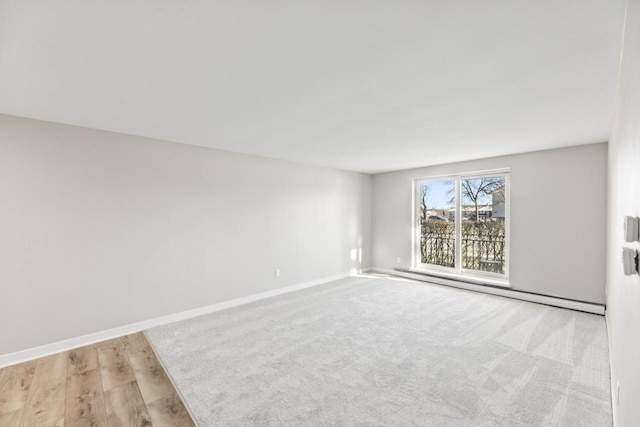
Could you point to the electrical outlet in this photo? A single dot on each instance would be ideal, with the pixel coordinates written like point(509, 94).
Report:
point(398, 260)
point(277, 272)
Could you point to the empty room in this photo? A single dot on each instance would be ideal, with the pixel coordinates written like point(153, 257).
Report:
point(340, 213)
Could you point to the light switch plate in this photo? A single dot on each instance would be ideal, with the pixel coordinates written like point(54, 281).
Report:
point(630, 229)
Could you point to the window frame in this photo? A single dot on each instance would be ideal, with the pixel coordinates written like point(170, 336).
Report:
point(458, 271)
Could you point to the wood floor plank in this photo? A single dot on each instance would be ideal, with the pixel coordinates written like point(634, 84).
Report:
point(119, 382)
point(52, 369)
point(15, 382)
point(114, 364)
point(135, 342)
point(169, 411)
point(85, 400)
point(150, 375)
point(46, 400)
point(82, 360)
point(125, 406)
point(11, 419)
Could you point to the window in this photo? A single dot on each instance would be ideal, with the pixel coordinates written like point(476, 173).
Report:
point(463, 224)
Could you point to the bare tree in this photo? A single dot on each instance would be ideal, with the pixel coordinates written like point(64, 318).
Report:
point(424, 195)
point(474, 189)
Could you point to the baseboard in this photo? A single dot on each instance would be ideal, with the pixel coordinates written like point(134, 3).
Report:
point(505, 292)
point(57, 347)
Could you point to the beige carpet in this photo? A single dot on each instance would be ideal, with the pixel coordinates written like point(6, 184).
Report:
point(375, 351)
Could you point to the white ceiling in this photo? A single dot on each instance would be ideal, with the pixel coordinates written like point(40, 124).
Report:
point(364, 85)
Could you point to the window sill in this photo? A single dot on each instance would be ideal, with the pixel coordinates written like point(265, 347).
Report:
point(474, 280)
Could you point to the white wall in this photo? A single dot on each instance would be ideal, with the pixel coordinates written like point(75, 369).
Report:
point(100, 230)
point(623, 292)
point(558, 207)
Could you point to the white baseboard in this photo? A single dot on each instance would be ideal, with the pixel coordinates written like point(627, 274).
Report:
point(56, 347)
point(505, 292)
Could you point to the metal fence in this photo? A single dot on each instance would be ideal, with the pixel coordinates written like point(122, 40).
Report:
point(483, 245)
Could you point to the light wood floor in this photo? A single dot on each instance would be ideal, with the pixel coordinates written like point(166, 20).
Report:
point(113, 383)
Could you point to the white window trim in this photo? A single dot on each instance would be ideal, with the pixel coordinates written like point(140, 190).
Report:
point(458, 272)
